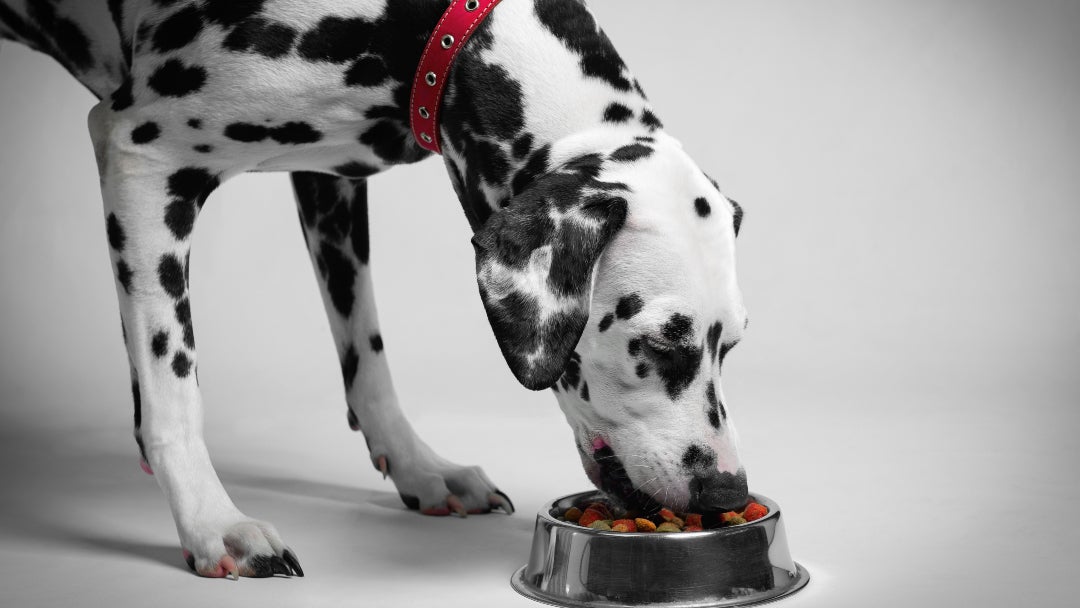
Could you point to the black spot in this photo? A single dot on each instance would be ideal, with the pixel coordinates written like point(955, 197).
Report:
point(171, 275)
point(629, 306)
point(585, 391)
point(606, 322)
point(115, 232)
point(386, 140)
point(136, 396)
point(350, 362)
point(183, 315)
point(650, 120)
point(159, 344)
point(203, 148)
point(536, 165)
point(192, 184)
point(358, 231)
point(572, 373)
point(272, 40)
point(145, 133)
point(679, 366)
point(698, 458)
point(178, 30)
point(174, 79)
point(642, 370)
point(123, 274)
point(738, 214)
point(368, 71)
point(354, 422)
point(336, 39)
point(678, 328)
point(617, 112)
point(713, 338)
point(232, 12)
point(246, 132)
point(634, 347)
point(572, 23)
point(645, 139)
point(340, 276)
point(376, 343)
point(122, 97)
point(714, 404)
point(295, 133)
point(181, 365)
point(194, 123)
point(522, 146)
point(180, 217)
point(355, 170)
point(631, 153)
point(702, 206)
point(586, 165)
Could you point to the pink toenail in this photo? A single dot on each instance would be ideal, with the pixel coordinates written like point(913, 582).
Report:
point(598, 443)
point(186, 553)
point(146, 467)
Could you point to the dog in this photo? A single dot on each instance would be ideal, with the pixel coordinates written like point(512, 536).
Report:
point(605, 258)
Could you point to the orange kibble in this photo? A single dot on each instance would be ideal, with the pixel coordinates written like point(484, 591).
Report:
point(667, 514)
point(754, 511)
point(730, 515)
point(693, 519)
point(624, 525)
point(692, 529)
point(644, 525)
point(589, 516)
point(572, 514)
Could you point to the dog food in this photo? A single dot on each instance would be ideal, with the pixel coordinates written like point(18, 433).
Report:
point(601, 516)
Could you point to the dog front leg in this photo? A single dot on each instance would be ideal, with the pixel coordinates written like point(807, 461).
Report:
point(333, 214)
point(151, 203)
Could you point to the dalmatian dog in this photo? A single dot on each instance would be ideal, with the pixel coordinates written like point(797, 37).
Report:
point(605, 258)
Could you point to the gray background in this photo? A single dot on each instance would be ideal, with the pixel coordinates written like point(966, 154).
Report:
point(907, 390)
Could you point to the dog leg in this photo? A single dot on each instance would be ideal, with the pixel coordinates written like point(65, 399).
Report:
point(333, 213)
point(150, 206)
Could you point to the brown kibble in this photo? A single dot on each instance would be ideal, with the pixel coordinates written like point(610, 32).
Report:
point(667, 526)
point(572, 514)
point(644, 525)
point(734, 521)
point(692, 529)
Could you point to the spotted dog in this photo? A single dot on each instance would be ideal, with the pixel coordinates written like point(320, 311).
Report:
point(605, 257)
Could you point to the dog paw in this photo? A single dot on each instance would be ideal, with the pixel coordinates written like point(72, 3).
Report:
point(244, 547)
point(435, 486)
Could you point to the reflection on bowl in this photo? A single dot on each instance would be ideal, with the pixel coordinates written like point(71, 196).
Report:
point(733, 566)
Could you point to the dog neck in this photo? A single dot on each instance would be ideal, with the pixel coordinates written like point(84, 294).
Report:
point(538, 83)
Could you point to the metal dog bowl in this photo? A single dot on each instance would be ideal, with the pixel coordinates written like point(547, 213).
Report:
point(732, 566)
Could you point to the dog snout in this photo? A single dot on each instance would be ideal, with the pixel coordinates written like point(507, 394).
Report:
point(718, 491)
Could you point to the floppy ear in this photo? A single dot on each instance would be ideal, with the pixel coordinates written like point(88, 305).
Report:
point(534, 264)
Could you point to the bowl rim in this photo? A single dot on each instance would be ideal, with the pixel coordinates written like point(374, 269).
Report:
point(545, 514)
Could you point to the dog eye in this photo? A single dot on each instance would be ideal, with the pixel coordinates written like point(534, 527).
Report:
point(660, 347)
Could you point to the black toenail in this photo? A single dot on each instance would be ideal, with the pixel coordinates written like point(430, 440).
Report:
point(190, 559)
point(290, 558)
point(411, 502)
point(507, 498)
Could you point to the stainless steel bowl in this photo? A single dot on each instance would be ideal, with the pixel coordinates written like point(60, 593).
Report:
point(733, 566)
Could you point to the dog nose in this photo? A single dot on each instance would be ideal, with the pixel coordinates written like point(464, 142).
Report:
point(716, 491)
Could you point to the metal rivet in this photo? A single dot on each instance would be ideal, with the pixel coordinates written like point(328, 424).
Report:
point(447, 41)
point(426, 138)
point(430, 78)
point(424, 113)
point(472, 5)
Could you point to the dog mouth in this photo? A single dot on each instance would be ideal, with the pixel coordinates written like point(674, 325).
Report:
point(610, 477)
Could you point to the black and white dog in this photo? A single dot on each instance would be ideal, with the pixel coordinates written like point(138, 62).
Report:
point(605, 257)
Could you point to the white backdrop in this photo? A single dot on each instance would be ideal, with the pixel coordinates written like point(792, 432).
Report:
point(907, 390)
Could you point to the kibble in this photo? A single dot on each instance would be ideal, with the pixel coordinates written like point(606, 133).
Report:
point(601, 516)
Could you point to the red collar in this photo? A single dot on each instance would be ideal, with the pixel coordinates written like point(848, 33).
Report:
point(457, 24)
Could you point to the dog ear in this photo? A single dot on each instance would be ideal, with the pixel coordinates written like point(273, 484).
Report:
point(534, 267)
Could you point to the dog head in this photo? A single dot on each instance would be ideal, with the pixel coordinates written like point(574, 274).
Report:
point(611, 280)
